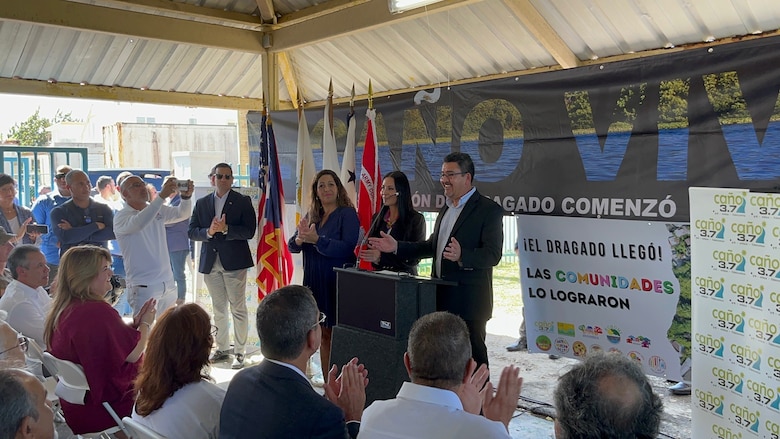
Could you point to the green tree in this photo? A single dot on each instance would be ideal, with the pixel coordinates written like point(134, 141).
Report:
point(32, 132)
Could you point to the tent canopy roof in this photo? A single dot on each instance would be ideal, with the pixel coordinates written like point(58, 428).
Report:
point(236, 53)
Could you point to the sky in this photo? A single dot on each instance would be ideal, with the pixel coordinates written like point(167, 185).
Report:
point(17, 108)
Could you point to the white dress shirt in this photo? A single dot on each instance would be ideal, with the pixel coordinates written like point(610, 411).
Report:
point(426, 412)
point(27, 309)
point(449, 218)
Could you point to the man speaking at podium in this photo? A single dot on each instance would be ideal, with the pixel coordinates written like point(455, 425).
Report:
point(465, 246)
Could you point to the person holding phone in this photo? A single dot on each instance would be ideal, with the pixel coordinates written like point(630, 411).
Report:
point(14, 217)
point(140, 231)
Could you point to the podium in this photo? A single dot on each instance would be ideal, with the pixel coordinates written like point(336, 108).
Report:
point(375, 311)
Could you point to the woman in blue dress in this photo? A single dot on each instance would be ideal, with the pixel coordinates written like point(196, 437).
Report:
point(327, 236)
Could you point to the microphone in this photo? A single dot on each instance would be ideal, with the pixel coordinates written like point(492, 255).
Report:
point(374, 224)
point(370, 230)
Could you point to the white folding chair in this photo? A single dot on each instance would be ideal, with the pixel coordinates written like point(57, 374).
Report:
point(72, 386)
point(35, 353)
point(139, 431)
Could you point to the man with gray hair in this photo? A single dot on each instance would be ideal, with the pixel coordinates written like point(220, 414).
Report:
point(25, 300)
point(607, 396)
point(24, 409)
point(268, 400)
point(444, 398)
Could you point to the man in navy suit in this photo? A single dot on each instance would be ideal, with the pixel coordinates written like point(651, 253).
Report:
point(275, 399)
point(224, 221)
point(465, 245)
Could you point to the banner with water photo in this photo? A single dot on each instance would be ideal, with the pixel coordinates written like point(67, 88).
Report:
point(599, 284)
point(620, 140)
point(736, 313)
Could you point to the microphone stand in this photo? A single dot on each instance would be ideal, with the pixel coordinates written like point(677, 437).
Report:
point(370, 230)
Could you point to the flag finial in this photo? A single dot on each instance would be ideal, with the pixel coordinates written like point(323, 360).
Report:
point(370, 95)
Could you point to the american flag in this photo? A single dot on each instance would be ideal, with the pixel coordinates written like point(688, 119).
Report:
point(275, 264)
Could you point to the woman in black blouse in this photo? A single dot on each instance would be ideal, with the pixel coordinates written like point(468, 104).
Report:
point(400, 220)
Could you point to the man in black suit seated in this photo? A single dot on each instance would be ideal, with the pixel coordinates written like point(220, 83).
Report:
point(275, 399)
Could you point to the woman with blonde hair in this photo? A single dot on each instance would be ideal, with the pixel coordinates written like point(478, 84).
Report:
point(327, 236)
point(83, 328)
point(175, 395)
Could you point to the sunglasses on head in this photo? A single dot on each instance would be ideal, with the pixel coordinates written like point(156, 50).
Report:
point(221, 176)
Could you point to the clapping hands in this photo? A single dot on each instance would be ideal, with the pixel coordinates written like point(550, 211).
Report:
point(348, 391)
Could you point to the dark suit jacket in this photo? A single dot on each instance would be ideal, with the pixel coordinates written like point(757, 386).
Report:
point(274, 401)
point(233, 249)
point(480, 232)
point(413, 230)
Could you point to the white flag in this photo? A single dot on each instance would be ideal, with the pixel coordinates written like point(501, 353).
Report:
point(348, 163)
point(305, 168)
point(330, 155)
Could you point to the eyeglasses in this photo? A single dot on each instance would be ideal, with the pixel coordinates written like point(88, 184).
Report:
point(59, 176)
point(214, 330)
point(321, 320)
point(449, 175)
point(221, 176)
point(21, 343)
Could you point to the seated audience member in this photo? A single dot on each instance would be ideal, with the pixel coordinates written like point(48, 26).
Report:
point(444, 399)
point(24, 410)
point(6, 245)
point(83, 328)
point(25, 300)
point(174, 395)
point(274, 399)
point(12, 346)
point(607, 396)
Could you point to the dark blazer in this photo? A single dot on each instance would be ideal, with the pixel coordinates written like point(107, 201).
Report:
point(274, 401)
point(233, 249)
point(480, 232)
point(413, 231)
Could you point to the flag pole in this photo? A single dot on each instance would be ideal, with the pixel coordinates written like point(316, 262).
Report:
point(330, 106)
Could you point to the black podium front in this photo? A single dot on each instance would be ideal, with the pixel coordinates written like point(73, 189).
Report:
point(375, 311)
